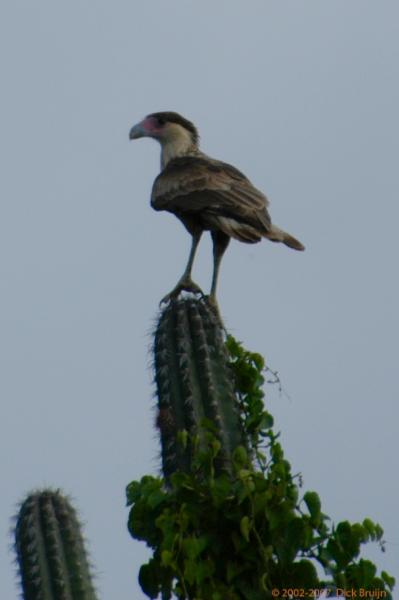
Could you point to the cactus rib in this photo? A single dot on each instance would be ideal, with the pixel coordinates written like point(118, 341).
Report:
point(50, 550)
point(194, 382)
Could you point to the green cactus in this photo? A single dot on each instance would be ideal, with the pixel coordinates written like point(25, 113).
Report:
point(50, 550)
point(194, 384)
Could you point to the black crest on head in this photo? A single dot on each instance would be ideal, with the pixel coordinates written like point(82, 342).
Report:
point(174, 117)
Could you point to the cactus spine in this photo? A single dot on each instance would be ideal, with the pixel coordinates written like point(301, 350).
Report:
point(50, 550)
point(194, 383)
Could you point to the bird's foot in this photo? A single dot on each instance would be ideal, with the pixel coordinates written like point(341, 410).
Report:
point(186, 285)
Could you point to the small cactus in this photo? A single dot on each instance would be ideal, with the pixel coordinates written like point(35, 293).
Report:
point(50, 550)
point(194, 384)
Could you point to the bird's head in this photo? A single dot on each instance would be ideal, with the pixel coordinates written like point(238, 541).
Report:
point(177, 135)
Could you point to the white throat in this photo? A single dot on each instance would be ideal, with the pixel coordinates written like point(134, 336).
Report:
point(177, 143)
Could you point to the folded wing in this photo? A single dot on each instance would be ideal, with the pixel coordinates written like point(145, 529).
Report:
point(216, 194)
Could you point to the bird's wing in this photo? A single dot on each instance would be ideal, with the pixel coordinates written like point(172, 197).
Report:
point(198, 184)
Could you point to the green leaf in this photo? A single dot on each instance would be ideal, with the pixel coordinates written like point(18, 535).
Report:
point(180, 479)
point(190, 571)
point(297, 535)
point(390, 581)
point(304, 574)
point(370, 527)
point(216, 446)
point(334, 551)
point(156, 498)
point(313, 504)
point(148, 579)
point(204, 570)
point(234, 569)
point(348, 539)
point(234, 347)
point(245, 526)
point(267, 421)
point(240, 456)
point(379, 532)
point(182, 438)
point(360, 533)
point(193, 546)
point(362, 574)
point(258, 360)
point(133, 492)
point(166, 558)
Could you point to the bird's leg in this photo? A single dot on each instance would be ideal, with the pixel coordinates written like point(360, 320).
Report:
point(220, 243)
point(185, 282)
point(185, 279)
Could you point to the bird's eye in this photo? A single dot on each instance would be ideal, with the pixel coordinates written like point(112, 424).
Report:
point(161, 121)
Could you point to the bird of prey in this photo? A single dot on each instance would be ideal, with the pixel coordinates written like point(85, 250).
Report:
point(205, 194)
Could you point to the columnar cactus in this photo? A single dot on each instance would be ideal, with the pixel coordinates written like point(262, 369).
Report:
point(194, 384)
point(50, 550)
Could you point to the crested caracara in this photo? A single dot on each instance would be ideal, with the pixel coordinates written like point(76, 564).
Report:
point(205, 194)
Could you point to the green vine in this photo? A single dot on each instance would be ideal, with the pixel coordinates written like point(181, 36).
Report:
point(249, 535)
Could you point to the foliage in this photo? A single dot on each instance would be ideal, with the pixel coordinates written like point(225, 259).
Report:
point(217, 536)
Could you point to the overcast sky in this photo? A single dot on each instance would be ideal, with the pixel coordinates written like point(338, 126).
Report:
point(303, 97)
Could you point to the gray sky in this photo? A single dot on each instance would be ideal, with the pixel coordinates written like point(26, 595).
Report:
point(302, 96)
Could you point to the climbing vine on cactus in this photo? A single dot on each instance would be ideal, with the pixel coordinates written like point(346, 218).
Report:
point(236, 533)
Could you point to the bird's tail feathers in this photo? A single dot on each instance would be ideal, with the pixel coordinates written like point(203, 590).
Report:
point(275, 234)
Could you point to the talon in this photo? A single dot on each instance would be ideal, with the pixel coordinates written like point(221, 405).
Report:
point(186, 285)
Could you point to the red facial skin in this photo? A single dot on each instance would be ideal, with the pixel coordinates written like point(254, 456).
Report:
point(151, 127)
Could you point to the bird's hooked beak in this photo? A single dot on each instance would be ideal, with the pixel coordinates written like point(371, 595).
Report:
point(148, 127)
point(138, 131)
